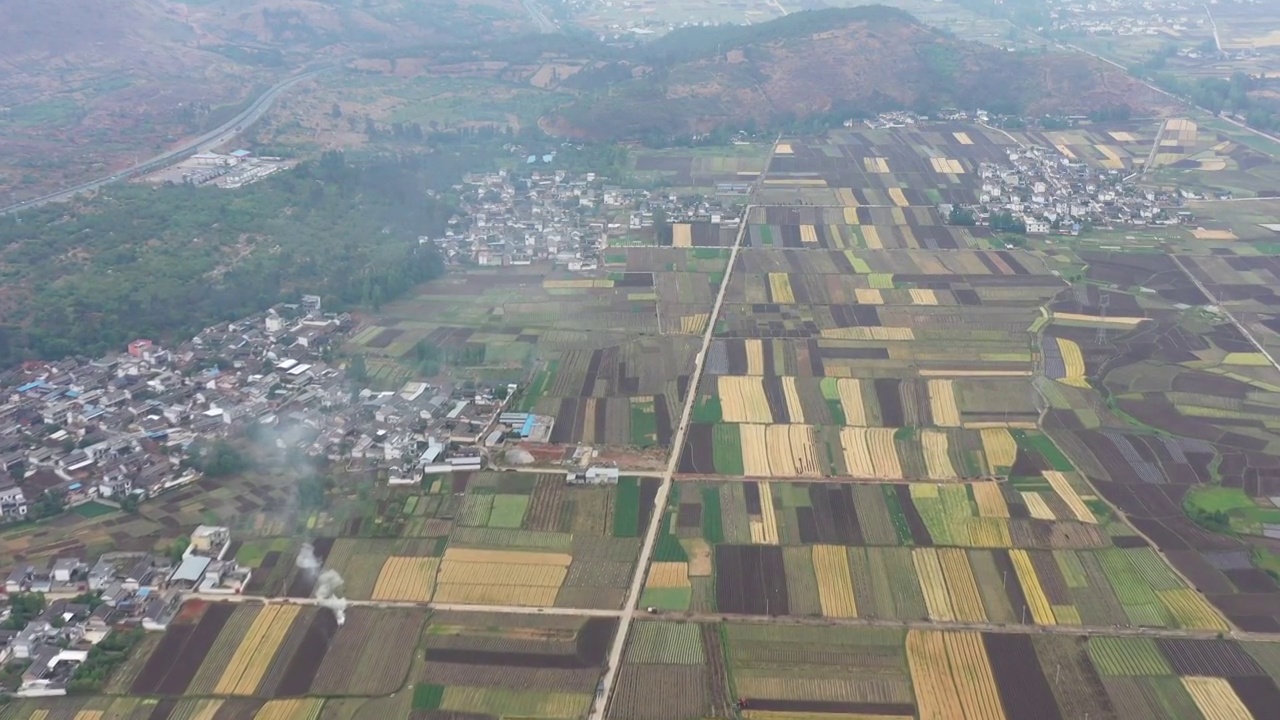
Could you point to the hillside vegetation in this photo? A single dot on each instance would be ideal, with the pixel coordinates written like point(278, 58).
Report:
point(837, 62)
point(166, 262)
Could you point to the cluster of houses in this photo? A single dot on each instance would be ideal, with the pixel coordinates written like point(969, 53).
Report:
point(122, 427)
point(119, 427)
point(1053, 193)
point(87, 602)
point(511, 219)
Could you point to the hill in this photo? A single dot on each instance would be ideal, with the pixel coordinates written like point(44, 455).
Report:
point(828, 62)
point(90, 85)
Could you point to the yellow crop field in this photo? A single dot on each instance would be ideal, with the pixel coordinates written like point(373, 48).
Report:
point(868, 296)
point(783, 148)
point(515, 557)
point(851, 212)
point(1037, 603)
point(849, 201)
point(902, 334)
point(465, 594)
point(999, 447)
point(1191, 610)
point(871, 236)
point(805, 450)
point(942, 403)
point(88, 715)
point(936, 460)
point(884, 454)
point(923, 296)
point(1036, 505)
point(291, 709)
point(780, 288)
point(406, 579)
point(468, 573)
point(974, 681)
point(768, 517)
point(946, 166)
point(1063, 487)
point(990, 500)
point(898, 198)
point(255, 652)
point(875, 165)
point(668, 575)
point(755, 356)
point(204, 710)
point(786, 715)
point(792, 395)
point(1066, 615)
point(742, 399)
point(962, 138)
point(988, 532)
point(962, 586)
point(850, 392)
point(1216, 699)
point(694, 324)
point(1111, 161)
point(755, 450)
point(782, 459)
point(933, 584)
point(580, 284)
point(857, 456)
point(1250, 359)
point(808, 234)
point(1092, 320)
point(835, 584)
point(682, 235)
point(1073, 362)
point(936, 695)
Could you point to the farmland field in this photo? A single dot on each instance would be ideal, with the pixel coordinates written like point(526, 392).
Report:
point(491, 538)
point(902, 431)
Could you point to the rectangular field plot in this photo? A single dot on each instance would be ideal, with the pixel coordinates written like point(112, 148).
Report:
point(906, 453)
point(897, 167)
point(490, 538)
point(947, 553)
point(271, 651)
point(511, 665)
point(775, 395)
point(855, 228)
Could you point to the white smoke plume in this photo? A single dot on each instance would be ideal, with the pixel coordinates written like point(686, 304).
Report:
point(327, 583)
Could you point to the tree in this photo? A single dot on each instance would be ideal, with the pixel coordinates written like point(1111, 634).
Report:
point(961, 216)
point(178, 548)
point(335, 112)
point(357, 370)
point(129, 503)
point(662, 227)
point(23, 608)
point(220, 459)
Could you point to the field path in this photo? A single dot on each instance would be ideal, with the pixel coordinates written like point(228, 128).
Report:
point(605, 690)
point(1239, 325)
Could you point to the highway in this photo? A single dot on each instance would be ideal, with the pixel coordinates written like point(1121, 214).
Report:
point(219, 136)
point(545, 24)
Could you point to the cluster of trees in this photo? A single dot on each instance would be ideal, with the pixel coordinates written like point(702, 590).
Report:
point(166, 262)
point(23, 608)
point(1005, 222)
point(219, 459)
point(431, 357)
point(1218, 95)
point(103, 659)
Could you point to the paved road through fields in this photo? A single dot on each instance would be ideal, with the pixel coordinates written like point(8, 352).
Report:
point(660, 502)
point(212, 139)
